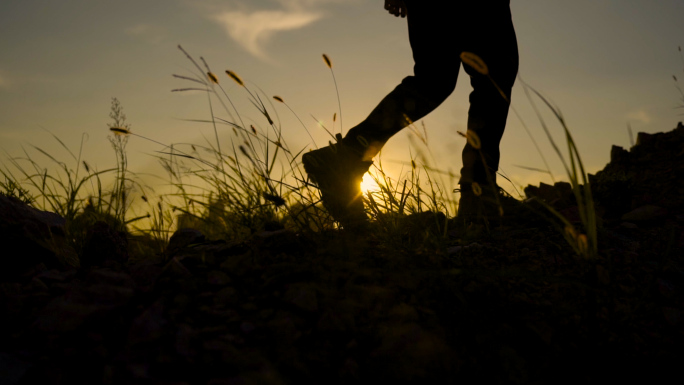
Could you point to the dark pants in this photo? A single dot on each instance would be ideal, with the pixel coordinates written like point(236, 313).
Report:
point(438, 34)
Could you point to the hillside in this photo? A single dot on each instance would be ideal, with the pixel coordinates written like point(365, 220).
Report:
point(511, 304)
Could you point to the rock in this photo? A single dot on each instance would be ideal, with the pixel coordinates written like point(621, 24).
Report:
point(454, 250)
point(182, 238)
point(559, 195)
point(145, 275)
point(302, 296)
point(103, 244)
point(645, 214)
point(12, 368)
point(648, 174)
point(148, 326)
point(102, 294)
point(30, 236)
point(618, 154)
point(409, 353)
point(218, 278)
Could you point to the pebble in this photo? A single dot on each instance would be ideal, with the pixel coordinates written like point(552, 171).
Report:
point(645, 213)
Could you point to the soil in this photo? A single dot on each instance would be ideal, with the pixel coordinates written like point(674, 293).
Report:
point(506, 302)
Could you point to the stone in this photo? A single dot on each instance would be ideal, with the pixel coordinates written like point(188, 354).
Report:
point(302, 296)
point(559, 195)
point(182, 238)
point(104, 244)
point(30, 236)
point(645, 214)
point(618, 154)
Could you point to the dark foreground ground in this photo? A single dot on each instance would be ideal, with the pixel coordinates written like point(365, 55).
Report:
point(509, 305)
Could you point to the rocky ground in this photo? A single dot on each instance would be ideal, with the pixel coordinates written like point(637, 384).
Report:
point(508, 305)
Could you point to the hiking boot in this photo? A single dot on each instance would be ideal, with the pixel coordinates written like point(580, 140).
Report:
point(337, 170)
point(485, 202)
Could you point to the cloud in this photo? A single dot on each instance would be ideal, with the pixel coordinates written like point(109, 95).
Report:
point(149, 33)
point(640, 116)
point(304, 4)
point(252, 30)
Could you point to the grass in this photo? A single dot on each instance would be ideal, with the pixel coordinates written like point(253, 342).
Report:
point(498, 300)
point(255, 182)
point(584, 244)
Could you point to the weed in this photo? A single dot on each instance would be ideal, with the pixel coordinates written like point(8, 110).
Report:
point(583, 244)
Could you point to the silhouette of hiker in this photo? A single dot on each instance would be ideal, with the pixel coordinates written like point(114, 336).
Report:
point(438, 33)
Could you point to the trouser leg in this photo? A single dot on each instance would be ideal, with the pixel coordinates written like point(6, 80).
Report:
point(496, 44)
point(434, 79)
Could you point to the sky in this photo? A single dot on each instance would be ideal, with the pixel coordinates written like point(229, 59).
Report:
point(607, 64)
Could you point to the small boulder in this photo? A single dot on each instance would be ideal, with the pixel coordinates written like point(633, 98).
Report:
point(104, 244)
point(182, 238)
point(559, 195)
point(30, 236)
point(645, 213)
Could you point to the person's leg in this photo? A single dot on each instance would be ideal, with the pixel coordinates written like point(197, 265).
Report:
point(337, 169)
point(492, 38)
point(434, 79)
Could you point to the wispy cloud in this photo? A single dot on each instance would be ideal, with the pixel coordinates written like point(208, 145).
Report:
point(147, 32)
point(304, 4)
point(253, 30)
point(252, 24)
point(640, 115)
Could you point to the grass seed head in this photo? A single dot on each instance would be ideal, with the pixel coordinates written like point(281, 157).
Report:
point(473, 139)
point(120, 130)
point(212, 77)
point(244, 152)
point(477, 190)
point(234, 76)
point(278, 98)
point(475, 62)
point(275, 199)
point(583, 243)
point(254, 131)
point(327, 61)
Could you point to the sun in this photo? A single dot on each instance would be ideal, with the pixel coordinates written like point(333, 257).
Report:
point(368, 184)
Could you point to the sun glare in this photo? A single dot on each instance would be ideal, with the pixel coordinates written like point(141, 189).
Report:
point(368, 184)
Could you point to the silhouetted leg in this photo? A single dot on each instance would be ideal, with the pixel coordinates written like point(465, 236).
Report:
point(495, 42)
point(434, 79)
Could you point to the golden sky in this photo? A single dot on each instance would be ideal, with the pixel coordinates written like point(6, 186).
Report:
point(605, 63)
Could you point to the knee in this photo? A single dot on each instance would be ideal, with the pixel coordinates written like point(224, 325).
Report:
point(505, 71)
point(505, 76)
point(435, 86)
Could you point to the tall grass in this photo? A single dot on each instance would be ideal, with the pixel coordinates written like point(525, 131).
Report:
point(586, 243)
point(679, 88)
point(234, 188)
